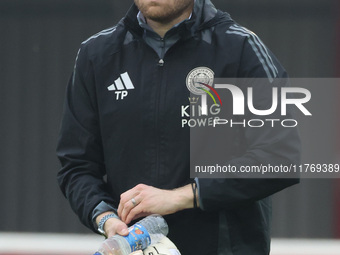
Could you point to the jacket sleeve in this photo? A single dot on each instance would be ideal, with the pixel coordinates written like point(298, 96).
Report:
point(79, 146)
point(266, 145)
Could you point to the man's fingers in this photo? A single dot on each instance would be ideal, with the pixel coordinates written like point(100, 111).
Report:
point(115, 226)
point(122, 229)
point(123, 203)
point(124, 198)
point(126, 208)
point(127, 196)
point(136, 213)
point(119, 210)
point(132, 213)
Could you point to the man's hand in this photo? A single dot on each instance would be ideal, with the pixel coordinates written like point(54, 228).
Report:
point(113, 226)
point(143, 200)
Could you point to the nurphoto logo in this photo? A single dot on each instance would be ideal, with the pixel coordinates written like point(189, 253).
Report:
point(207, 101)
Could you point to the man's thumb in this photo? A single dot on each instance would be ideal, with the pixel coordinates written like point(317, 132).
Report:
point(122, 229)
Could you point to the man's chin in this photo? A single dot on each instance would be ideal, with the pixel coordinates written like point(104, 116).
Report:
point(158, 15)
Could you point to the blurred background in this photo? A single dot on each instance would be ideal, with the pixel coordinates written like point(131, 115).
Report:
point(39, 40)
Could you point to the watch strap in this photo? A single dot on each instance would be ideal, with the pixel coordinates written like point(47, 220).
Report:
point(102, 207)
point(103, 220)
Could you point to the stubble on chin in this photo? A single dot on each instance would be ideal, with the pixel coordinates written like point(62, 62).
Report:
point(156, 12)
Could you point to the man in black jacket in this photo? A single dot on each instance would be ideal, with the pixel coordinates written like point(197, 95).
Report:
point(124, 150)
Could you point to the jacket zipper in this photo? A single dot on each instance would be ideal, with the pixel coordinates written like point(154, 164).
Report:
point(157, 118)
point(158, 106)
point(161, 62)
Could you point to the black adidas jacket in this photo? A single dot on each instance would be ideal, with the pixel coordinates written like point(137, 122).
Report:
point(122, 126)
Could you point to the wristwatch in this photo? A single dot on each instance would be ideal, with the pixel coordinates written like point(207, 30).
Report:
point(103, 220)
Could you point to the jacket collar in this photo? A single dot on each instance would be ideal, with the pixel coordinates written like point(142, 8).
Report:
point(203, 13)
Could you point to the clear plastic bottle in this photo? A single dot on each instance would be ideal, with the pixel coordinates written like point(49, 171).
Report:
point(145, 232)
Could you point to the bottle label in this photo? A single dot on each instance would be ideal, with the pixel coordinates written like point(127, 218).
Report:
point(138, 237)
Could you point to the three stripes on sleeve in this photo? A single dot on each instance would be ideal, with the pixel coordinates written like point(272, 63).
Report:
point(258, 47)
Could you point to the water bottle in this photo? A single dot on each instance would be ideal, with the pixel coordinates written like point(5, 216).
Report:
point(145, 232)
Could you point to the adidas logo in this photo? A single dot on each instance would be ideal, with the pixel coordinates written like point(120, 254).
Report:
point(121, 86)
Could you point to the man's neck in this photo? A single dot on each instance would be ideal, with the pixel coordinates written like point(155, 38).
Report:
point(162, 28)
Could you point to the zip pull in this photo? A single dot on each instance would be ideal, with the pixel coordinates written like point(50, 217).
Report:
point(161, 62)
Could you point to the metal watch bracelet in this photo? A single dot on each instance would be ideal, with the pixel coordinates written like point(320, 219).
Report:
point(103, 220)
